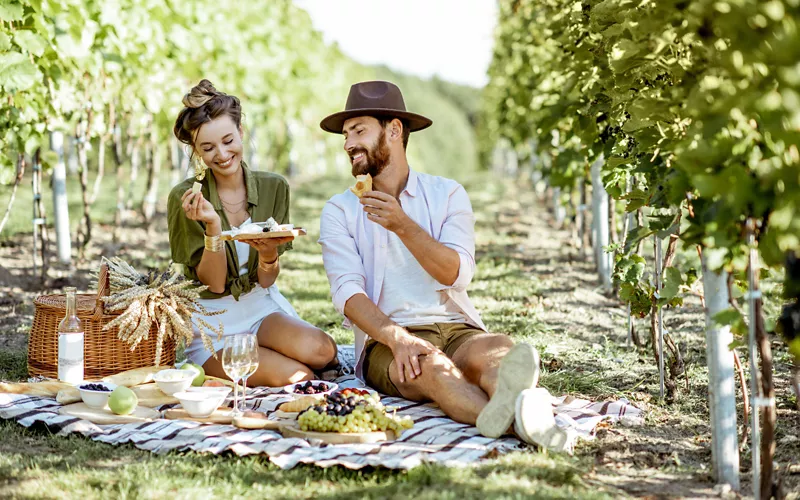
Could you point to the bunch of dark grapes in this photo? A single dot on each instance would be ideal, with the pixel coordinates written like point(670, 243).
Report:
point(337, 405)
point(95, 387)
point(309, 388)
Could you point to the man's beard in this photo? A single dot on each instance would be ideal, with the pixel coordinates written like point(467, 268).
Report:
point(376, 159)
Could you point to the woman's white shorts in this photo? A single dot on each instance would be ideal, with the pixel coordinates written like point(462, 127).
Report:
point(242, 316)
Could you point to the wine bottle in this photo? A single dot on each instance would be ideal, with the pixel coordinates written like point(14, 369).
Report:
point(70, 343)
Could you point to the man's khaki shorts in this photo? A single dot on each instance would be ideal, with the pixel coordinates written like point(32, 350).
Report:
point(447, 337)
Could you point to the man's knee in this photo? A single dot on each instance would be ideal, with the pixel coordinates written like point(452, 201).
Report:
point(484, 352)
point(434, 369)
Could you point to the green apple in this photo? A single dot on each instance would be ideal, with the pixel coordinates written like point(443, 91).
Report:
point(201, 374)
point(122, 401)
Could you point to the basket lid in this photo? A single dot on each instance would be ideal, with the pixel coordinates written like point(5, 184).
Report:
point(84, 302)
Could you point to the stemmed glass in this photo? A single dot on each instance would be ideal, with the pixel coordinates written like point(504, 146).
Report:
point(236, 362)
point(252, 356)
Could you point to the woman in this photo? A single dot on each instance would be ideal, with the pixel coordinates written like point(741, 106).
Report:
point(240, 276)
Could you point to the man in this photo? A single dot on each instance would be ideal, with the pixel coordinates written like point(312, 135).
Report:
point(399, 260)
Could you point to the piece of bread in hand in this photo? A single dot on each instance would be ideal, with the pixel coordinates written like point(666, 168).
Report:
point(196, 187)
point(363, 184)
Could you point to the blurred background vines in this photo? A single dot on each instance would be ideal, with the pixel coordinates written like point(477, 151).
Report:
point(90, 90)
point(689, 114)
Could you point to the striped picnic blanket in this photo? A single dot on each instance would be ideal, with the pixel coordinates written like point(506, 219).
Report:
point(433, 439)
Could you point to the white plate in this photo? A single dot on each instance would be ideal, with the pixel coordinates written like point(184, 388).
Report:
point(332, 387)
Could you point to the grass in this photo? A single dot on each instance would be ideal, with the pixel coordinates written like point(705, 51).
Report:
point(35, 464)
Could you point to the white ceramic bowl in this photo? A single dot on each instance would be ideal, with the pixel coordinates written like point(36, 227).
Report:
point(171, 381)
point(96, 399)
point(210, 390)
point(201, 404)
point(291, 388)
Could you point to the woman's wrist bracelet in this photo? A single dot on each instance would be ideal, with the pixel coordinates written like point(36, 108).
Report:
point(213, 243)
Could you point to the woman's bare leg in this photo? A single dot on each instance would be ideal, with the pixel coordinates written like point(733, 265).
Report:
point(274, 369)
point(297, 340)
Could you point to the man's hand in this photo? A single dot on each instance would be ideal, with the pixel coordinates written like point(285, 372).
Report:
point(407, 349)
point(385, 210)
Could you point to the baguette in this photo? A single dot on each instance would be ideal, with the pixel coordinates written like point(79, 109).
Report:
point(47, 388)
point(137, 376)
point(68, 396)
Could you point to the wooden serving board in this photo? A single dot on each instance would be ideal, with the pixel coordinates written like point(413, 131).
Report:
point(292, 430)
point(107, 417)
point(256, 423)
point(298, 231)
point(220, 416)
point(151, 396)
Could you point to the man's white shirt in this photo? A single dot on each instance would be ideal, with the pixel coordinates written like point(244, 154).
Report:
point(361, 256)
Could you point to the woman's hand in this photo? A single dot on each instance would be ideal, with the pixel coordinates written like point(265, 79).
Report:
point(267, 248)
point(198, 208)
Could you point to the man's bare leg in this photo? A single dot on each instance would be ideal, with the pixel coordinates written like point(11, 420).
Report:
point(444, 384)
point(479, 359)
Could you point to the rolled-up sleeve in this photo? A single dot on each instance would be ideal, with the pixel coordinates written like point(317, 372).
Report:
point(340, 256)
point(458, 233)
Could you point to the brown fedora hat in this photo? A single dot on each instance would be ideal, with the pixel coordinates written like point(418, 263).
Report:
point(377, 98)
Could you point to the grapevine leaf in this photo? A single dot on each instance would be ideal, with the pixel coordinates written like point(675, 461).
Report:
point(672, 283)
point(11, 11)
point(30, 42)
point(17, 73)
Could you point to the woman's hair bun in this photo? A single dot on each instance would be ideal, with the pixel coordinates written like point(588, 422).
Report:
point(200, 94)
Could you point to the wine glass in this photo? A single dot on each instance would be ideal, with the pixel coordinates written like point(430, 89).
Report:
point(235, 362)
point(252, 356)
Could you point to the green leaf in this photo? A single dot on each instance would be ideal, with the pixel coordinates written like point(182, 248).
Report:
point(17, 72)
point(49, 160)
point(10, 11)
point(30, 42)
point(636, 235)
point(5, 42)
point(672, 283)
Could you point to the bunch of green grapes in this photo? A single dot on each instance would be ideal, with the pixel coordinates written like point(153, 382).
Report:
point(363, 416)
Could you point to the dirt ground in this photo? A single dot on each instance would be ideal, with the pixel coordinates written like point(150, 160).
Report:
point(584, 347)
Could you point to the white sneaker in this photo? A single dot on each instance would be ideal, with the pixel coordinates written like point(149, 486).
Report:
point(535, 423)
point(519, 370)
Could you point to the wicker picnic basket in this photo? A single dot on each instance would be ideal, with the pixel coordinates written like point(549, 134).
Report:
point(104, 353)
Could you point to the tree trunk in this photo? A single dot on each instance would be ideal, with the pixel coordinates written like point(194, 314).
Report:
point(600, 231)
point(769, 416)
point(119, 215)
point(721, 380)
point(583, 220)
point(85, 231)
point(60, 206)
point(151, 199)
point(135, 163)
point(17, 180)
point(612, 220)
point(39, 212)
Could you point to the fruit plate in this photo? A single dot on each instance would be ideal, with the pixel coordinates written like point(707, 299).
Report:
point(106, 417)
point(293, 430)
point(331, 387)
point(298, 231)
point(220, 416)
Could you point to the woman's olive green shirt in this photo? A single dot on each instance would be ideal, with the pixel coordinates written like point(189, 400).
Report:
point(267, 196)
